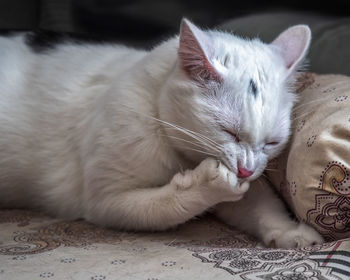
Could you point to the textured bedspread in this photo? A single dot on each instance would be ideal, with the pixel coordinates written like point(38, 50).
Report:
point(34, 246)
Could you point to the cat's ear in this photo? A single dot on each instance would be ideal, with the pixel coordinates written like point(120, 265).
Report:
point(195, 49)
point(293, 44)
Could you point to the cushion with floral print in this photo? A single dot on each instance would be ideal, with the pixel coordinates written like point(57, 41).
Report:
point(313, 174)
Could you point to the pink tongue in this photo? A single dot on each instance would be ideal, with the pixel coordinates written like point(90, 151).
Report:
point(244, 173)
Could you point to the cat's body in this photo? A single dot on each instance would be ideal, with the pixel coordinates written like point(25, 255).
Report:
point(106, 132)
point(60, 115)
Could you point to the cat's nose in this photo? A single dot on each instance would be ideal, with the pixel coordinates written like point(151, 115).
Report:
point(244, 173)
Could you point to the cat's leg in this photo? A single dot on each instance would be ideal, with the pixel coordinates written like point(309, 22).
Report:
point(187, 195)
point(262, 213)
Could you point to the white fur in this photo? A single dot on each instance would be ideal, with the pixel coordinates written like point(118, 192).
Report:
point(106, 132)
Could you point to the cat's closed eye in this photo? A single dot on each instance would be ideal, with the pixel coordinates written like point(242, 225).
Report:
point(232, 134)
point(272, 144)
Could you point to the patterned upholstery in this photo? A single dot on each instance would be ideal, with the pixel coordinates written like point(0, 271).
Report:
point(34, 246)
point(313, 173)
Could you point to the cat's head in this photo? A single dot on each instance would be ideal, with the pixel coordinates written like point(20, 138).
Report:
point(232, 96)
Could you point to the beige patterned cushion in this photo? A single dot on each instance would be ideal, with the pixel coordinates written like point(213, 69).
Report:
point(36, 247)
point(313, 175)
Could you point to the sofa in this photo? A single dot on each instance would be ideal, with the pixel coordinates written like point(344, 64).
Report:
point(34, 245)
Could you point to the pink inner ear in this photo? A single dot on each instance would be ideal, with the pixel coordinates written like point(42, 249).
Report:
point(293, 44)
point(290, 52)
point(192, 54)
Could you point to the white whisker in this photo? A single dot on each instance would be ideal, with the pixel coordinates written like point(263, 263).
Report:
point(200, 151)
point(262, 174)
point(192, 149)
point(302, 115)
point(269, 169)
point(260, 181)
point(202, 137)
point(197, 144)
point(198, 139)
point(190, 133)
point(310, 102)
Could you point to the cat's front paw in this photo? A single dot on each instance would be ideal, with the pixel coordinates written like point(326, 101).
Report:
point(219, 178)
point(185, 180)
point(300, 236)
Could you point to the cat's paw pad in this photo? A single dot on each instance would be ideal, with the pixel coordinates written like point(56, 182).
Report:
point(299, 236)
point(207, 170)
point(227, 180)
point(184, 180)
point(243, 187)
point(222, 183)
point(202, 174)
point(218, 175)
point(303, 236)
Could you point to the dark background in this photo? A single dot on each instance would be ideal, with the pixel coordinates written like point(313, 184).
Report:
point(141, 22)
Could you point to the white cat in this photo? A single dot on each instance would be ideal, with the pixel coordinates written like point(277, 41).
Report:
point(147, 140)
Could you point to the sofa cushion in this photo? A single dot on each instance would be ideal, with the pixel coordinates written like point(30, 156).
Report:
point(329, 50)
point(313, 174)
point(35, 246)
